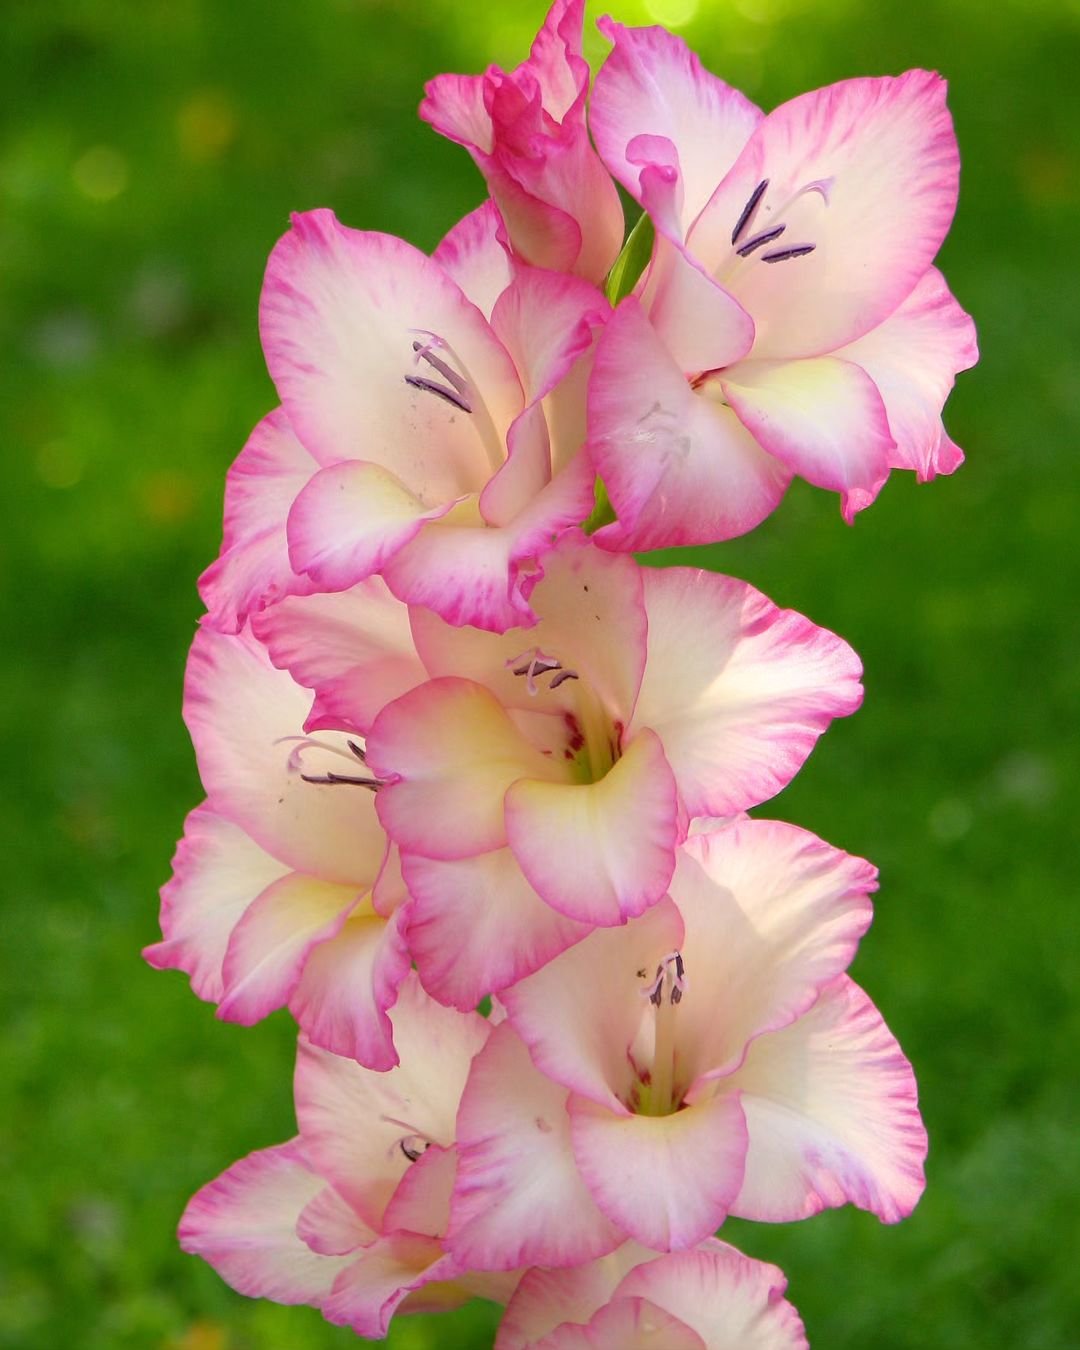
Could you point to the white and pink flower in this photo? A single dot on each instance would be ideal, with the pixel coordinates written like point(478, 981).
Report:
point(436, 462)
point(791, 321)
point(349, 1216)
point(454, 749)
point(526, 132)
point(709, 1058)
point(285, 891)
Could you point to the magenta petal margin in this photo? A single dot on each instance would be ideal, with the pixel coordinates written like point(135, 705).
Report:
point(477, 779)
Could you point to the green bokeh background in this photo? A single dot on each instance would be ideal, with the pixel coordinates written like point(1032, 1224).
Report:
point(150, 151)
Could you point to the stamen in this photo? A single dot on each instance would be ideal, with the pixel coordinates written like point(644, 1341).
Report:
point(748, 210)
point(463, 391)
point(534, 662)
point(798, 251)
point(303, 743)
point(358, 751)
point(334, 779)
point(766, 237)
point(429, 386)
point(414, 1146)
point(678, 987)
point(675, 983)
point(556, 680)
point(424, 352)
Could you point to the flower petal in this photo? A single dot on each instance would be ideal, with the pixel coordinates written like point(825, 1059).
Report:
point(351, 519)
point(518, 1199)
point(866, 171)
point(737, 690)
point(340, 312)
point(699, 323)
point(732, 1302)
point(544, 1299)
point(467, 574)
point(832, 1115)
point(270, 944)
point(374, 1285)
point(421, 1203)
point(912, 358)
point(329, 1225)
point(772, 914)
point(473, 255)
point(629, 1323)
point(653, 85)
point(254, 569)
point(354, 648)
point(217, 872)
point(599, 852)
point(679, 468)
point(244, 1224)
point(823, 418)
point(590, 611)
point(667, 1181)
point(546, 320)
point(508, 930)
point(347, 985)
point(450, 751)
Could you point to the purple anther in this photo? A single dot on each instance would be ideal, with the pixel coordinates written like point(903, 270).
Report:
point(655, 991)
point(413, 1146)
point(533, 663)
point(335, 779)
point(797, 251)
point(765, 237)
point(430, 387)
point(456, 381)
point(358, 751)
point(556, 680)
point(679, 987)
point(748, 210)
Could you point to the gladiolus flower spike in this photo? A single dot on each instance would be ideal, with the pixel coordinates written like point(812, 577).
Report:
point(462, 751)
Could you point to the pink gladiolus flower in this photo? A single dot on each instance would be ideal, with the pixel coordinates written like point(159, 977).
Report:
point(526, 132)
point(537, 783)
point(791, 321)
point(283, 889)
point(709, 1298)
point(349, 1216)
point(711, 1057)
point(439, 468)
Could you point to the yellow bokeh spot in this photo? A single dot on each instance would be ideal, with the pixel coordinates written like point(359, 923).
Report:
point(201, 1336)
point(166, 497)
point(206, 125)
point(672, 13)
point(101, 173)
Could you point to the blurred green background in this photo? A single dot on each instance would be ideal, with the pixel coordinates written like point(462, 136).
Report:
point(149, 155)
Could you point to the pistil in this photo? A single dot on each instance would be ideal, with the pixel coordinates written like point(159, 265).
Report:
point(665, 995)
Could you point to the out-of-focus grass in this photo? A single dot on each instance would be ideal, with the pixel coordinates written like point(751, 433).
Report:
point(150, 154)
